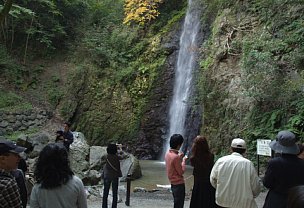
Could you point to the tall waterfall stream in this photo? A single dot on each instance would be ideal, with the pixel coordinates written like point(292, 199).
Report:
point(185, 65)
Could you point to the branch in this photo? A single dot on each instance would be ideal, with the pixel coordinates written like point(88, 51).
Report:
point(244, 27)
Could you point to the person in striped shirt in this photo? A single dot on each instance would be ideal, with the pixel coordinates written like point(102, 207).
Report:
point(9, 159)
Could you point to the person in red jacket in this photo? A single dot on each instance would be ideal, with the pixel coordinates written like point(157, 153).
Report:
point(175, 166)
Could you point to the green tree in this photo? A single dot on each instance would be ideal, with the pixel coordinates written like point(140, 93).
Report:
point(41, 26)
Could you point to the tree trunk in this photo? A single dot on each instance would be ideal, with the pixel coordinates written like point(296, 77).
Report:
point(6, 8)
point(27, 40)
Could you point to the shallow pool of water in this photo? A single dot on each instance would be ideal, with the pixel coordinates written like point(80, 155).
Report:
point(154, 172)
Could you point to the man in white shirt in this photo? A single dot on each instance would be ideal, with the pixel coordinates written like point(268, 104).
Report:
point(235, 179)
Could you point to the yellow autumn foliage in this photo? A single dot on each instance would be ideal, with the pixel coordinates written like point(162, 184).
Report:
point(140, 11)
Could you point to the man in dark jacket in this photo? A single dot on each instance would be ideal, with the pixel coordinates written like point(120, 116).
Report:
point(68, 137)
point(284, 171)
point(20, 179)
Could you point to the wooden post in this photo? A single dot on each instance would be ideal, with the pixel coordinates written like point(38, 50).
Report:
point(128, 190)
point(258, 165)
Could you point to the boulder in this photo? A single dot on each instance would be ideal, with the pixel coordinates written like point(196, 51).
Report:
point(130, 165)
point(86, 162)
point(79, 154)
point(36, 143)
point(91, 177)
point(97, 157)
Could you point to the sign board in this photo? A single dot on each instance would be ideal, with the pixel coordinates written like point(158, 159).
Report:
point(263, 147)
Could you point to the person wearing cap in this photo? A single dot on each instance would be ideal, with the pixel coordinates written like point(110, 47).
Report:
point(9, 159)
point(284, 171)
point(235, 179)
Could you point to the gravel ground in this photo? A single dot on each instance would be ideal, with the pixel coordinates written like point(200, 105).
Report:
point(157, 199)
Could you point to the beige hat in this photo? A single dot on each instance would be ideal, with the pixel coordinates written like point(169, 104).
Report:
point(238, 143)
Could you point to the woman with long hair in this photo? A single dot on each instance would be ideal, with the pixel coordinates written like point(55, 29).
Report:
point(203, 194)
point(57, 186)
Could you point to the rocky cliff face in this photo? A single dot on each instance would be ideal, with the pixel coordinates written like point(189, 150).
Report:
point(246, 67)
point(154, 122)
point(226, 103)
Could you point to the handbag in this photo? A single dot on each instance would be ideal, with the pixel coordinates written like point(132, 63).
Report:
point(120, 174)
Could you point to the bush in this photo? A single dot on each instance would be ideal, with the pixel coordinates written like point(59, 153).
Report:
point(9, 69)
point(10, 101)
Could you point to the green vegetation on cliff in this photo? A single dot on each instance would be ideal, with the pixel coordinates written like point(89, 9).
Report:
point(252, 70)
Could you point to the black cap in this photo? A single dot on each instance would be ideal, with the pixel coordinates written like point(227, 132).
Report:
point(9, 146)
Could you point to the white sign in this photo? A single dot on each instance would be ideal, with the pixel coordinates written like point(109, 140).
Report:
point(263, 147)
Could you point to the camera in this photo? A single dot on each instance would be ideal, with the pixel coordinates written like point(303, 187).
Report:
point(119, 146)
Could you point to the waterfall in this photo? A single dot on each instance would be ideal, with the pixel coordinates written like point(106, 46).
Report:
point(186, 62)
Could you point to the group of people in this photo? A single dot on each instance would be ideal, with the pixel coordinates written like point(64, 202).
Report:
point(56, 185)
point(232, 181)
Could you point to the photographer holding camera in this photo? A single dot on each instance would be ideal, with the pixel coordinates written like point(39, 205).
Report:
point(111, 174)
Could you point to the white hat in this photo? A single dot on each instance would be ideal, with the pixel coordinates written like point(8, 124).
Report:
point(238, 143)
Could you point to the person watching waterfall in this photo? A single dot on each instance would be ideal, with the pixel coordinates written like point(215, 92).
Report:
point(235, 179)
point(175, 166)
point(203, 194)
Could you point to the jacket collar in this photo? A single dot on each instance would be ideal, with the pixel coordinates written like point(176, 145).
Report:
point(173, 151)
point(237, 154)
